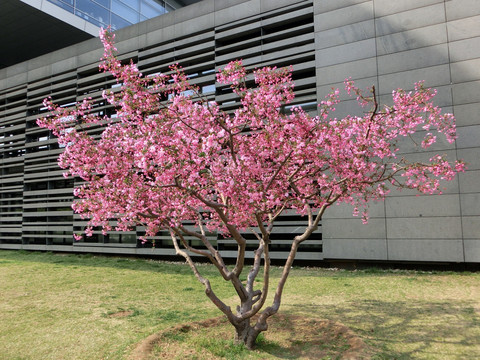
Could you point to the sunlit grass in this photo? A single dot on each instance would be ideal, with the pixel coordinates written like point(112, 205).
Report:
point(88, 307)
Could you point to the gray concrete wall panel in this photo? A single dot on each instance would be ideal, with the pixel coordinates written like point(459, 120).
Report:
point(389, 7)
point(320, 7)
point(335, 74)
point(345, 34)
point(356, 249)
point(236, 12)
point(467, 92)
point(412, 39)
point(470, 204)
point(424, 228)
point(353, 228)
point(409, 145)
point(198, 24)
point(472, 250)
point(436, 250)
point(466, 70)
point(471, 227)
point(434, 76)
point(464, 28)
point(465, 49)
point(413, 59)
point(469, 181)
point(344, 16)
point(422, 206)
point(344, 211)
point(345, 53)
point(268, 5)
point(224, 4)
point(194, 12)
point(468, 136)
point(460, 9)
point(411, 19)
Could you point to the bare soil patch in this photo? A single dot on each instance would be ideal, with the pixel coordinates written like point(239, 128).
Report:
point(120, 314)
point(289, 336)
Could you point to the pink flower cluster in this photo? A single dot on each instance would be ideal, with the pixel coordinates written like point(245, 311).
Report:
point(169, 157)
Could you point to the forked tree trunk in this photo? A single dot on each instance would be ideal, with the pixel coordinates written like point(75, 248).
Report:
point(246, 334)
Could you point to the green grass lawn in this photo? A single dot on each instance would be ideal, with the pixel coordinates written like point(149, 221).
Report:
point(90, 307)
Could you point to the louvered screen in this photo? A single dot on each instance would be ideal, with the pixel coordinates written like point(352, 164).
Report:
point(35, 198)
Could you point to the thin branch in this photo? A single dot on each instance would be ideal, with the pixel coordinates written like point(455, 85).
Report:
point(200, 223)
point(278, 170)
point(259, 238)
point(218, 260)
point(272, 218)
point(208, 289)
point(374, 112)
point(192, 249)
point(241, 242)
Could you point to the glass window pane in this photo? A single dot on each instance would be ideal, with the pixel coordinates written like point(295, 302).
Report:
point(208, 89)
point(134, 4)
point(105, 3)
point(124, 11)
point(118, 22)
point(68, 2)
point(89, 18)
point(93, 10)
point(63, 5)
point(151, 8)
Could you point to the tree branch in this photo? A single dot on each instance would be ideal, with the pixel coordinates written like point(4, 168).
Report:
point(278, 170)
point(208, 289)
point(266, 281)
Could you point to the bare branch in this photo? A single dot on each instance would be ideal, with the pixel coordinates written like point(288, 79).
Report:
point(217, 259)
point(261, 296)
point(255, 268)
point(272, 218)
point(208, 289)
point(231, 228)
point(200, 223)
point(264, 232)
point(374, 112)
point(259, 238)
point(192, 249)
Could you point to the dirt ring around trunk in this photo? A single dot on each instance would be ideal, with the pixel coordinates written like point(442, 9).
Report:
point(291, 336)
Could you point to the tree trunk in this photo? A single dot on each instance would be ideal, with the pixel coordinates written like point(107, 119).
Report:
point(246, 334)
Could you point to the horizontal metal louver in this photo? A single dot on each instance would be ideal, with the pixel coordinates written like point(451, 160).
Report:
point(35, 198)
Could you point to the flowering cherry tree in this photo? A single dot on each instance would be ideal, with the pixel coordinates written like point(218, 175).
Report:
point(170, 157)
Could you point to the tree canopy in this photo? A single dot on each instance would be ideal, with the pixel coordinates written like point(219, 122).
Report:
point(170, 155)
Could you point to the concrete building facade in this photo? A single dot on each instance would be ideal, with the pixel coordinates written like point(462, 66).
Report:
point(376, 42)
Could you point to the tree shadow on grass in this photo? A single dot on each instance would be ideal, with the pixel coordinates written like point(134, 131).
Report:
point(406, 330)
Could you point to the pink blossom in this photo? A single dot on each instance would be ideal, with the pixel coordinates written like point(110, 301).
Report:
point(160, 162)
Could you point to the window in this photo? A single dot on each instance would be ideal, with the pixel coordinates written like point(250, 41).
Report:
point(94, 11)
point(125, 12)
